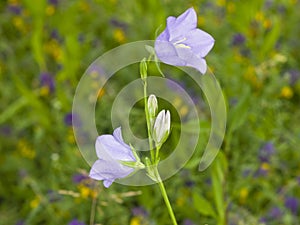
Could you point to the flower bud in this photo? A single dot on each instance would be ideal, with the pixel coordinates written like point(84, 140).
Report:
point(143, 69)
point(161, 128)
point(152, 105)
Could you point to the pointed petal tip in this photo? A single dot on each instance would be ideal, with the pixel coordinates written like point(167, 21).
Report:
point(107, 183)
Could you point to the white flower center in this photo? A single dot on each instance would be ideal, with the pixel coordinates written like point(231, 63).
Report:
point(179, 44)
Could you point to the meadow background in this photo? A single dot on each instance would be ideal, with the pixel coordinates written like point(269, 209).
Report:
point(45, 47)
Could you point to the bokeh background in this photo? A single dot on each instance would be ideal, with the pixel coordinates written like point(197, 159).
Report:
point(45, 47)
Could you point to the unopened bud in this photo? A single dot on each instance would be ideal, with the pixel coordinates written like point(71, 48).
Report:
point(161, 128)
point(152, 106)
point(143, 69)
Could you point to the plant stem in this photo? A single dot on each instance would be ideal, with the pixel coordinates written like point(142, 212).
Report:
point(148, 122)
point(165, 196)
point(93, 209)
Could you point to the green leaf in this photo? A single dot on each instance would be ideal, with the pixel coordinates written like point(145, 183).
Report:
point(217, 174)
point(238, 115)
point(12, 109)
point(203, 206)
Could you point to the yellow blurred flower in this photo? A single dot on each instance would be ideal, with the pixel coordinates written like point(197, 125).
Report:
point(230, 7)
point(119, 35)
point(84, 6)
point(183, 110)
point(71, 137)
point(294, 2)
point(101, 92)
point(35, 202)
point(44, 91)
point(286, 92)
point(181, 201)
point(267, 24)
point(84, 191)
point(201, 21)
point(26, 150)
point(251, 76)
point(265, 166)
point(13, 2)
point(221, 3)
point(135, 221)
point(18, 22)
point(243, 194)
point(50, 10)
point(259, 16)
point(53, 48)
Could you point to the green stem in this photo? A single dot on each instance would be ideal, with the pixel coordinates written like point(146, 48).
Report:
point(165, 196)
point(93, 209)
point(148, 122)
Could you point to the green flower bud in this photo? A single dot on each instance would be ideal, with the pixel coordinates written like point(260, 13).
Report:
point(143, 69)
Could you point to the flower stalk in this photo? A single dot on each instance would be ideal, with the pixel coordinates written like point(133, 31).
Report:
point(158, 132)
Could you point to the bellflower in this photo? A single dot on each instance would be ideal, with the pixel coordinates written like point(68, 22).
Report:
point(182, 44)
point(111, 151)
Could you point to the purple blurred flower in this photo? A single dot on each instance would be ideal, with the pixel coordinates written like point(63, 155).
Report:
point(261, 172)
point(72, 119)
point(81, 38)
point(53, 196)
point(15, 9)
point(182, 44)
point(110, 150)
point(246, 172)
point(23, 173)
point(275, 213)
point(53, 2)
point(292, 204)
point(266, 152)
point(294, 76)
point(76, 222)
point(56, 36)
point(139, 211)
point(78, 178)
point(238, 39)
point(5, 130)
point(20, 222)
point(263, 220)
point(187, 222)
point(46, 80)
point(118, 23)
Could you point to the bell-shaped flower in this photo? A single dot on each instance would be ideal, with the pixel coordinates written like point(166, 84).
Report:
point(161, 128)
point(182, 43)
point(112, 151)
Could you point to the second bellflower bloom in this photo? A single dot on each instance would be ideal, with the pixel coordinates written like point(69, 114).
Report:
point(182, 43)
point(111, 151)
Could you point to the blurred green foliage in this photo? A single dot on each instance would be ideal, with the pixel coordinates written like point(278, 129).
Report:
point(45, 47)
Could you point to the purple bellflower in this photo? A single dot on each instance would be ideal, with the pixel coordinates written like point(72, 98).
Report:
point(112, 151)
point(182, 43)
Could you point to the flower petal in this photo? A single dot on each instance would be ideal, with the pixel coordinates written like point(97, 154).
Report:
point(108, 147)
point(167, 53)
point(192, 60)
point(164, 36)
point(118, 136)
point(107, 183)
point(183, 24)
point(109, 171)
point(200, 42)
